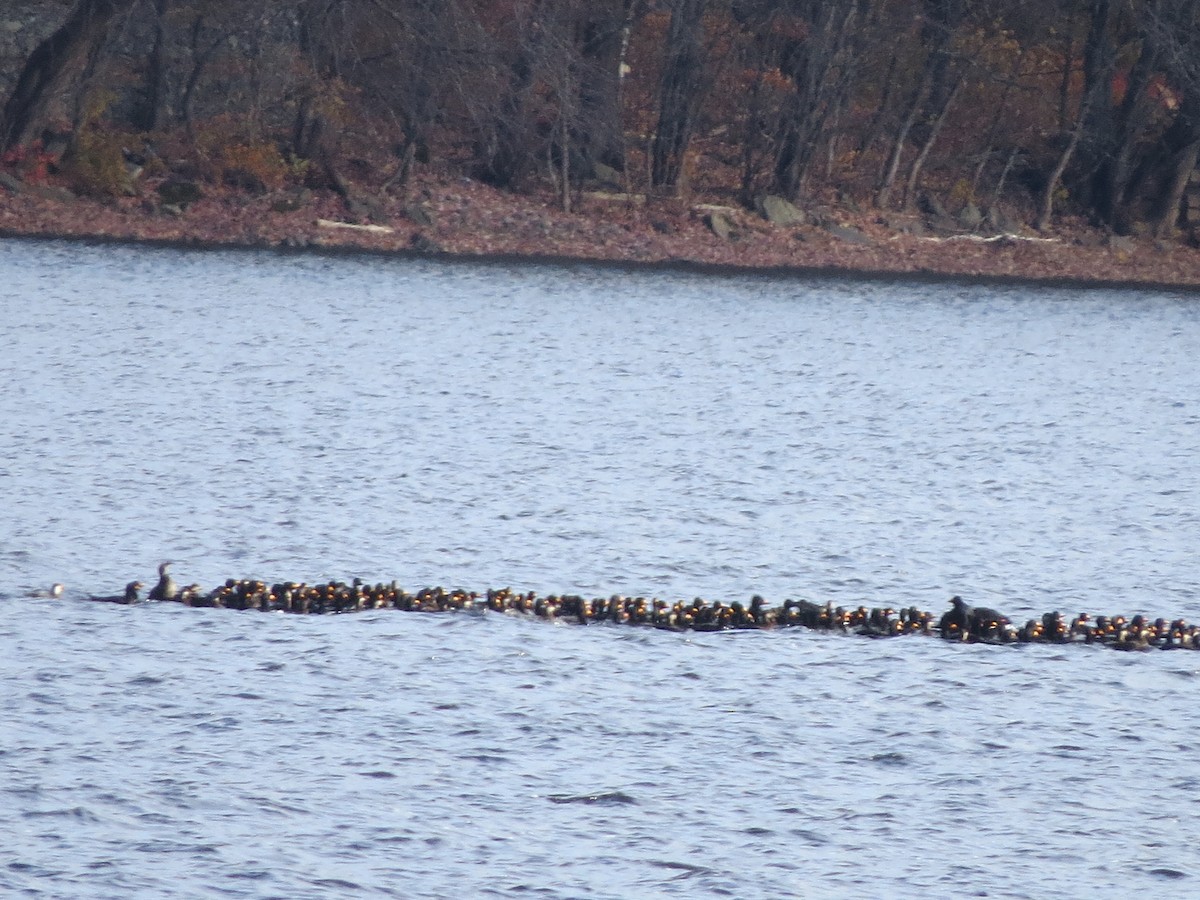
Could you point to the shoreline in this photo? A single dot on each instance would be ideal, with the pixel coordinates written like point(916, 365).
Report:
point(633, 266)
point(460, 222)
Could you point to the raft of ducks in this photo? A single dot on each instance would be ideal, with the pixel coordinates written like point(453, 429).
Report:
point(962, 622)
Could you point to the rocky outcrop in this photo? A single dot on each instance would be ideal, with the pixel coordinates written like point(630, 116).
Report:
point(608, 177)
point(849, 234)
point(14, 185)
point(179, 192)
point(720, 220)
point(779, 211)
point(719, 225)
point(419, 214)
point(423, 244)
point(291, 201)
point(999, 221)
point(970, 217)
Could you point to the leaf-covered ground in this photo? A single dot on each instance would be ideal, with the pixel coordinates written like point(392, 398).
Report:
point(462, 217)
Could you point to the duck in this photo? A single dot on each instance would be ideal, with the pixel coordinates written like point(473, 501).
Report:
point(955, 624)
point(193, 595)
point(1032, 631)
point(1132, 640)
point(1081, 629)
point(1054, 629)
point(879, 623)
point(130, 596)
point(988, 624)
point(53, 593)
point(166, 588)
point(759, 614)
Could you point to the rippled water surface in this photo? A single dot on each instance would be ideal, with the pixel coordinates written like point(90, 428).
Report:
point(566, 429)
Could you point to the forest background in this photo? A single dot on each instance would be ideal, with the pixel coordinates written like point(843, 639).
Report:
point(935, 116)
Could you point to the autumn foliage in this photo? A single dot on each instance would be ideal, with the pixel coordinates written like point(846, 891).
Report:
point(1027, 110)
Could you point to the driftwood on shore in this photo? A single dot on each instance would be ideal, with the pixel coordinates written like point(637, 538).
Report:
point(349, 226)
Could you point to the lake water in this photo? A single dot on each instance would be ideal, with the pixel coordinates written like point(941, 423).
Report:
point(570, 429)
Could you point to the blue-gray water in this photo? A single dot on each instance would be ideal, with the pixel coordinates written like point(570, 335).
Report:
point(576, 430)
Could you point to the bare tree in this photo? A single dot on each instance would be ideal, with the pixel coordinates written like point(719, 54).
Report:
point(931, 136)
point(820, 63)
point(936, 86)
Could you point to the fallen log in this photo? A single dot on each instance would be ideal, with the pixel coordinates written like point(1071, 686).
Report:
point(370, 229)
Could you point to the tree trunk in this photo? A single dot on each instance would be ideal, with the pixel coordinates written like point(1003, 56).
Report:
point(622, 71)
point(312, 137)
point(1064, 84)
point(875, 127)
point(50, 63)
point(752, 139)
point(1132, 121)
point(884, 195)
point(998, 121)
point(998, 191)
point(680, 92)
point(505, 156)
point(818, 69)
point(84, 107)
point(1172, 164)
point(603, 41)
point(565, 169)
point(1169, 203)
point(155, 90)
point(200, 60)
point(1112, 132)
point(910, 187)
point(1061, 166)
